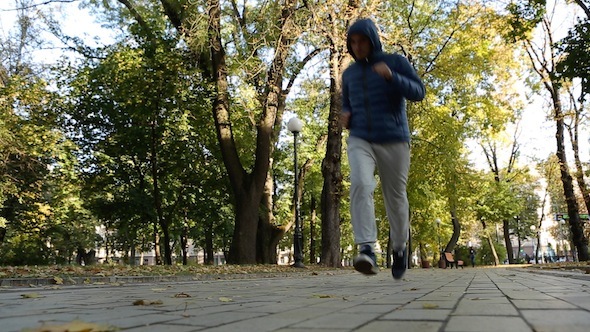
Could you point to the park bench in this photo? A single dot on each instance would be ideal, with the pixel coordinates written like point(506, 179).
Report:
point(450, 259)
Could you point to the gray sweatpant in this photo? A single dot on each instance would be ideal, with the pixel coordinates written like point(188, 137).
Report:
point(393, 164)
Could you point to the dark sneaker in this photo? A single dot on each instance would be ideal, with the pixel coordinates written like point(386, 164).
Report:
point(366, 261)
point(398, 268)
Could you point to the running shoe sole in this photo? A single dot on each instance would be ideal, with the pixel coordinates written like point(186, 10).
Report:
point(364, 264)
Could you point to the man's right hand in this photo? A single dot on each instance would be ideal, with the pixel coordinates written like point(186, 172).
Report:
point(345, 119)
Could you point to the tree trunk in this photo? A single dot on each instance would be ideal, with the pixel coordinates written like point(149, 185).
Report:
point(248, 188)
point(456, 231)
point(167, 248)
point(423, 256)
point(269, 235)
point(580, 179)
point(132, 255)
point(158, 258)
point(542, 65)
point(493, 250)
point(163, 222)
point(243, 246)
point(576, 227)
point(331, 165)
point(508, 242)
point(492, 158)
point(265, 253)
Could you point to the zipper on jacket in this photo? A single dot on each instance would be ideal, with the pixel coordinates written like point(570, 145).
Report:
point(366, 99)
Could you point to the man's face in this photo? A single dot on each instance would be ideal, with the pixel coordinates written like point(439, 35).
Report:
point(360, 45)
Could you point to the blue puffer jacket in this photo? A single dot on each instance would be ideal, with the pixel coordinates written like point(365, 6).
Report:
point(378, 106)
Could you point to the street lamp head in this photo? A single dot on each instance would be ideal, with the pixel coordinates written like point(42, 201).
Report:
point(438, 221)
point(295, 125)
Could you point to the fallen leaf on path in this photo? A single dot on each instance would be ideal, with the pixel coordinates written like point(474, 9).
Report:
point(429, 306)
point(31, 296)
point(181, 295)
point(225, 299)
point(58, 280)
point(158, 289)
point(74, 326)
point(147, 302)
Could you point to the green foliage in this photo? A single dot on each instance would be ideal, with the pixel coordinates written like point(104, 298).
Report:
point(574, 56)
point(143, 124)
point(25, 249)
point(523, 17)
point(40, 192)
point(471, 91)
point(136, 152)
point(484, 256)
point(549, 170)
point(462, 253)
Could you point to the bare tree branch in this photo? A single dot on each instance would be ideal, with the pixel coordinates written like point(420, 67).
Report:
point(35, 5)
point(138, 17)
point(584, 7)
point(300, 66)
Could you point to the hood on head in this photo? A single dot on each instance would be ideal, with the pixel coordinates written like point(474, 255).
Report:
point(366, 27)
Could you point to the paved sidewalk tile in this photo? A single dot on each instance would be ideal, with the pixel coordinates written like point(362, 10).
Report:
point(470, 299)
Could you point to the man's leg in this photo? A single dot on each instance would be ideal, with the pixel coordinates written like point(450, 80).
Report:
point(362, 185)
point(393, 162)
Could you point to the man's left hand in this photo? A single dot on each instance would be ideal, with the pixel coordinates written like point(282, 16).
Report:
point(383, 70)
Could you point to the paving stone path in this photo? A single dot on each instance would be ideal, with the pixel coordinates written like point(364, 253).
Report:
point(470, 299)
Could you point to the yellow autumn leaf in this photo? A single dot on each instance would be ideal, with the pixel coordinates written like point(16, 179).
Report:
point(322, 296)
point(225, 299)
point(58, 280)
point(73, 326)
point(158, 289)
point(30, 296)
point(429, 306)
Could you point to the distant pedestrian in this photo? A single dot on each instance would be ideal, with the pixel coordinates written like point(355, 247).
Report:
point(472, 256)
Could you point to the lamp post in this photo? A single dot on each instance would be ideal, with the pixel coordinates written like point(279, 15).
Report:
point(295, 125)
point(441, 263)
